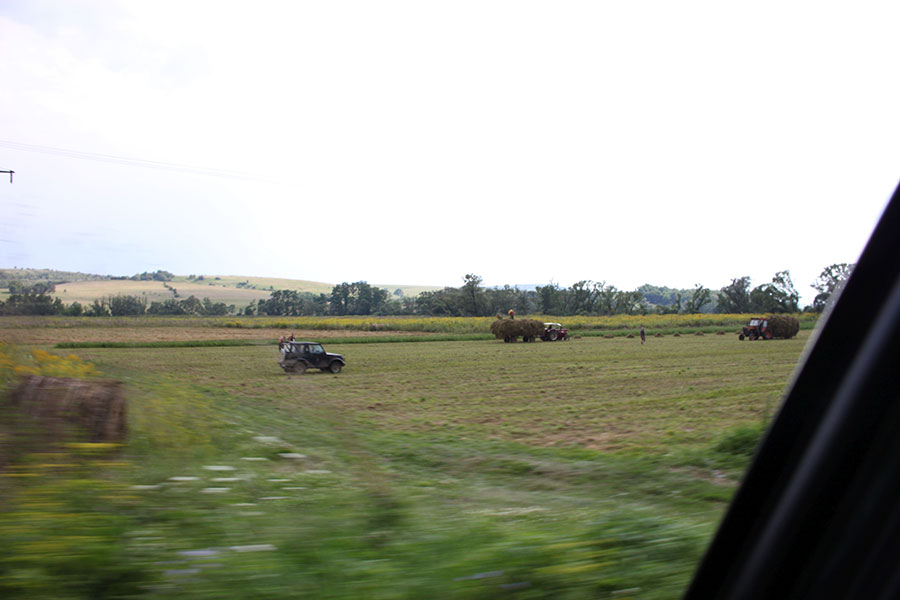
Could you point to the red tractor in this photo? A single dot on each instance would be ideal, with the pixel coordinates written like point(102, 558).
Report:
point(756, 329)
point(553, 332)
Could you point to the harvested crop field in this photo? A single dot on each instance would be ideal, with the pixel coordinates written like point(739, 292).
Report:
point(50, 336)
point(85, 292)
point(461, 469)
point(607, 394)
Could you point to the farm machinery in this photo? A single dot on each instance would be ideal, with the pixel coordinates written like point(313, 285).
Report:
point(510, 330)
point(554, 332)
point(773, 326)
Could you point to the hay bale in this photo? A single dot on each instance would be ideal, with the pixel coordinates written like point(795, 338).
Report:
point(658, 335)
point(630, 336)
point(699, 333)
point(676, 334)
point(720, 332)
point(54, 409)
point(512, 328)
point(783, 326)
point(609, 336)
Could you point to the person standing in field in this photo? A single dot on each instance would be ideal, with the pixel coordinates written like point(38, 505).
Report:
point(643, 335)
point(512, 314)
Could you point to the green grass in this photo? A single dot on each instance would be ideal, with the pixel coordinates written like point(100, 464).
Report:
point(470, 469)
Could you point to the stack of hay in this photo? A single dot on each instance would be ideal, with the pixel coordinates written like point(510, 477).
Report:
point(509, 329)
point(783, 326)
point(43, 412)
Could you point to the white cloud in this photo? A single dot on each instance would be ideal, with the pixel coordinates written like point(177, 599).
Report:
point(661, 143)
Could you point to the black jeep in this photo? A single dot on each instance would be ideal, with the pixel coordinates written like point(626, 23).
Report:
point(296, 357)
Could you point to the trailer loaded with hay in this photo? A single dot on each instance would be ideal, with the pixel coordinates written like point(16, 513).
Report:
point(510, 330)
point(770, 327)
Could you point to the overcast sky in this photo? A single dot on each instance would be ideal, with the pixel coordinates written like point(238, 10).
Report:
point(671, 143)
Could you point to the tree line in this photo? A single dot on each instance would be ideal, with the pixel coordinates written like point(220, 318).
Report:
point(472, 298)
point(112, 306)
point(585, 297)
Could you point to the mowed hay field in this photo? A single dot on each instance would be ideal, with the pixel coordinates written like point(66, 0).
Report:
point(608, 394)
point(300, 285)
point(86, 292)
point(218, 289)
point(49, 336)
point(259, 283)
point(593, 468)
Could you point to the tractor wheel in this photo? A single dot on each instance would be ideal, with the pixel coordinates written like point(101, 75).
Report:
point(741, 336)
point(566, 338)
point(335, 367)
point(506, 339)
point(554, 335)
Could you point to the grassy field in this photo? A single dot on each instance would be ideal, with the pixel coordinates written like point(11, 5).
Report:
point(595, 468)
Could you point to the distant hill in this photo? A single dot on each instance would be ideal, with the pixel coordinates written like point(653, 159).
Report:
point(270, 284)
point(7, 275)
point(85, 292)
point(266, 284)
point(231, 289)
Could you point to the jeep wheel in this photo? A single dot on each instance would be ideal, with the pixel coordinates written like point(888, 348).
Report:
point(335, 367)
point(299, 368)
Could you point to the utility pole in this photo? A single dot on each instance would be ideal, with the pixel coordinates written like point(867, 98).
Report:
point(10, 174)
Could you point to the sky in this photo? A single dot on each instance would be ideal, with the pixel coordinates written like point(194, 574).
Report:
point(414, 142)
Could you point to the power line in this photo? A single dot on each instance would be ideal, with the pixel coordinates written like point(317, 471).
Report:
point(131, 162)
